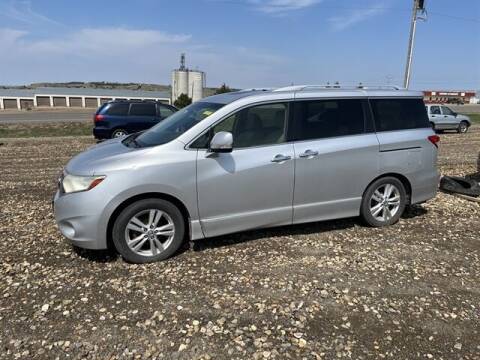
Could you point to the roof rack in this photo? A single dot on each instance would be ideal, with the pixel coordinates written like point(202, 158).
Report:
point(258, 89)
point(335, 87)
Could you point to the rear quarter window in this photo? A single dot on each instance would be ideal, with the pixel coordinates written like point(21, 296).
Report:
point(101, 109)
point(399, 114)
point(117, 109)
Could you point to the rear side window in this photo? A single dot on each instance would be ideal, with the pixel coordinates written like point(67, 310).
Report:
point(143, 110)
point(117, 110)
point(399, 114)
point(435, 110)
point(328, 118)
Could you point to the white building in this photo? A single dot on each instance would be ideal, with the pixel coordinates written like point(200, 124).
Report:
point(186, 81)
point(18, 99)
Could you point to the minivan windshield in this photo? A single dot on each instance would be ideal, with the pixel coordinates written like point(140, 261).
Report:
point(176, 124)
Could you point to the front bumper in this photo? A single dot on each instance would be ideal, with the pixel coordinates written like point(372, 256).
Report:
point(79, 219)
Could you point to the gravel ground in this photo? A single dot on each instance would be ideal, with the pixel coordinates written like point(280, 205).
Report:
point(324, 290)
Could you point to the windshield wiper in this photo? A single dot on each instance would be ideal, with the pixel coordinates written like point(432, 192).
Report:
point(136, 143)
point(132, 140)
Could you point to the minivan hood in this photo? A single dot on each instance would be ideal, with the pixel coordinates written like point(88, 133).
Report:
point(108, 154)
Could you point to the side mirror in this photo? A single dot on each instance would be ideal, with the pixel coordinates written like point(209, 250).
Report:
point(222, 142)
point(455, 114)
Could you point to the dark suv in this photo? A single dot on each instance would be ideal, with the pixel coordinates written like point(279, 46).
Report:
point(120, 117)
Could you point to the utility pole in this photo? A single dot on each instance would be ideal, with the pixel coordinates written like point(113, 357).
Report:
point(418, 7)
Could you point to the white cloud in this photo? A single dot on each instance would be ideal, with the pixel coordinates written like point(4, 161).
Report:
point(282, 6)
point(22, 11)
point(342, 22)
point(9, 37)
point(124, 55)
point(106, 40)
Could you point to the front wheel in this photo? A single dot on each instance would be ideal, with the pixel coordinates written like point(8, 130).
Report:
point(383, 202)
point(148, 230)
point(462, 127)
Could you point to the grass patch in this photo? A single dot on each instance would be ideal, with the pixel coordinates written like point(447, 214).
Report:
point(475, 118)
point(20, 130)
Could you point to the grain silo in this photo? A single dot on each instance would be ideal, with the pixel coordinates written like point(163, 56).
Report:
point(186, 81)
point(196, 83)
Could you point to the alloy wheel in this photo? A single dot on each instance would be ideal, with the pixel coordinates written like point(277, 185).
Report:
point(385, 202)
point(119, 133)
point(149, 232)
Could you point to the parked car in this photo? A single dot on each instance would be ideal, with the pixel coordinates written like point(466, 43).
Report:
point(121, 117)
point(248, 160)
point(443, 118)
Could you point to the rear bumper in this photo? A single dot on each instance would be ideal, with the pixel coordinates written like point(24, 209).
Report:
point(102, 133)
point(426, 188)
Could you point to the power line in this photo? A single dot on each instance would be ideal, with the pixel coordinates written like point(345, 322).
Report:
point(454, 17)
point(247, 4)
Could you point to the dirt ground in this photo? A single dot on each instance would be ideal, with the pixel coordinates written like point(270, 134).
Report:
point(327, 290)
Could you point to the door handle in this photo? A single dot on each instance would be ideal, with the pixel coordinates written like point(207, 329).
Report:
point(280, 158)
point(309, 154)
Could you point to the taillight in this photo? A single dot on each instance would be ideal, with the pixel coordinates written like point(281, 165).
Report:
point(98, 117)
point(434, 139)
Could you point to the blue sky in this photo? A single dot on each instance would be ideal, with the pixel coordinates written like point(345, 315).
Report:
point(245, 43)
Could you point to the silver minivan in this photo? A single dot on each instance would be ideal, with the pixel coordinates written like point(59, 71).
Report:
point(251, 159)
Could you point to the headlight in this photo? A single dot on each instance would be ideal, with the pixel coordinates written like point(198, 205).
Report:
point(74, 183)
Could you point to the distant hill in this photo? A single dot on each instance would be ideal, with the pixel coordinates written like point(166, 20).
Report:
point(103, 85)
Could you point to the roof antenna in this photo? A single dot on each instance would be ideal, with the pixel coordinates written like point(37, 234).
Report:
point(182, 61)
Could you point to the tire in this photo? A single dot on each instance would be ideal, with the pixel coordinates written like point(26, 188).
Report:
point(432, 124)
point(458, 185)
point(389, 213)
point(119, 133)
point(145, 245)
point(462, 127)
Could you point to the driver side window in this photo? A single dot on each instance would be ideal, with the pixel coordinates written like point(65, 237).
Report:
point(255, 126)
point(226, 125)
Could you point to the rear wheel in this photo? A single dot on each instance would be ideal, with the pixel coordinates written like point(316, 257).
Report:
point(148, 230)
point(383, 202)
point(462, 127)
point(118, 133)
point(432, 124)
